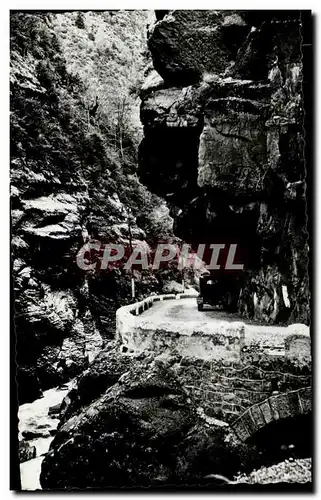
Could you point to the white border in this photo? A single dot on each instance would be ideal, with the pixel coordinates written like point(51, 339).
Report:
point(160, 4)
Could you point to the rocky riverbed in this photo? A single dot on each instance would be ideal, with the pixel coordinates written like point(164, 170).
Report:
point(37, 426)
point(289, 471)
point(128, 386)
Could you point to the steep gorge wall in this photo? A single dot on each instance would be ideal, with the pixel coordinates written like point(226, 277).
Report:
point(73, 178)
point(224, 144)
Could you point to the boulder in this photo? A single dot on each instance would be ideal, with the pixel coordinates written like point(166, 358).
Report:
point(101, 374)
point(173, 287)
point(26, 451)
point(185, 44)
point(142, 431)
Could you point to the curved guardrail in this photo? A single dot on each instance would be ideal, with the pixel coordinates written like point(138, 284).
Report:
point(204, 340)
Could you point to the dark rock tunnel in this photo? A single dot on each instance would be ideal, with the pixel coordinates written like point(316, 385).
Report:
point(286, 439)
point(168, 165)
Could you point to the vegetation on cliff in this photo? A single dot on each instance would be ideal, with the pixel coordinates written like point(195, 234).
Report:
point(74, 137)
point(227, 155)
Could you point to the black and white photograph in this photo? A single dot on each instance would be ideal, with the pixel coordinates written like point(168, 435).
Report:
point(161, 180)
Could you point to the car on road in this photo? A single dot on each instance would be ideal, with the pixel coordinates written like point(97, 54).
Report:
point(217, 291)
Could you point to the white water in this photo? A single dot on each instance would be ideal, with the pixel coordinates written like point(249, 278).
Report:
point(34, 417)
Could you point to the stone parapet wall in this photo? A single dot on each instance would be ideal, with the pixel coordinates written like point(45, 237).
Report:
point(225, 390)
point(222, 340)
point(226, 367)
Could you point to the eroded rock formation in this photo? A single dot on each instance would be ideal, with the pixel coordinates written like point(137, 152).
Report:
point(224, 144)
point(134, 424)
point(140, 419)
point(72, 181)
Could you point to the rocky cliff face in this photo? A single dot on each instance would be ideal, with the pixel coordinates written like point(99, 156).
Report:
point(73, 178)
point(131, 423)
point(142, 419)
point(224, 144)
point(49, 200)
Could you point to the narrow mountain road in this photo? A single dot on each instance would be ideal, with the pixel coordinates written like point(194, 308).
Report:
point(186, 310)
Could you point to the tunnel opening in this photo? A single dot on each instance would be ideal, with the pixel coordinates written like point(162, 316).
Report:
point(210, 220)
point(286, 439)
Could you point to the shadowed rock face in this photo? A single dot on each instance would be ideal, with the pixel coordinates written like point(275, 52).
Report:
point(70, 183)
point(224, 144)
point(144, 420)
point(142, 431)
point(184, 44)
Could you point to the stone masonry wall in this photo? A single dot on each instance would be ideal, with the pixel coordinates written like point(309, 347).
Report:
point(229, 370)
